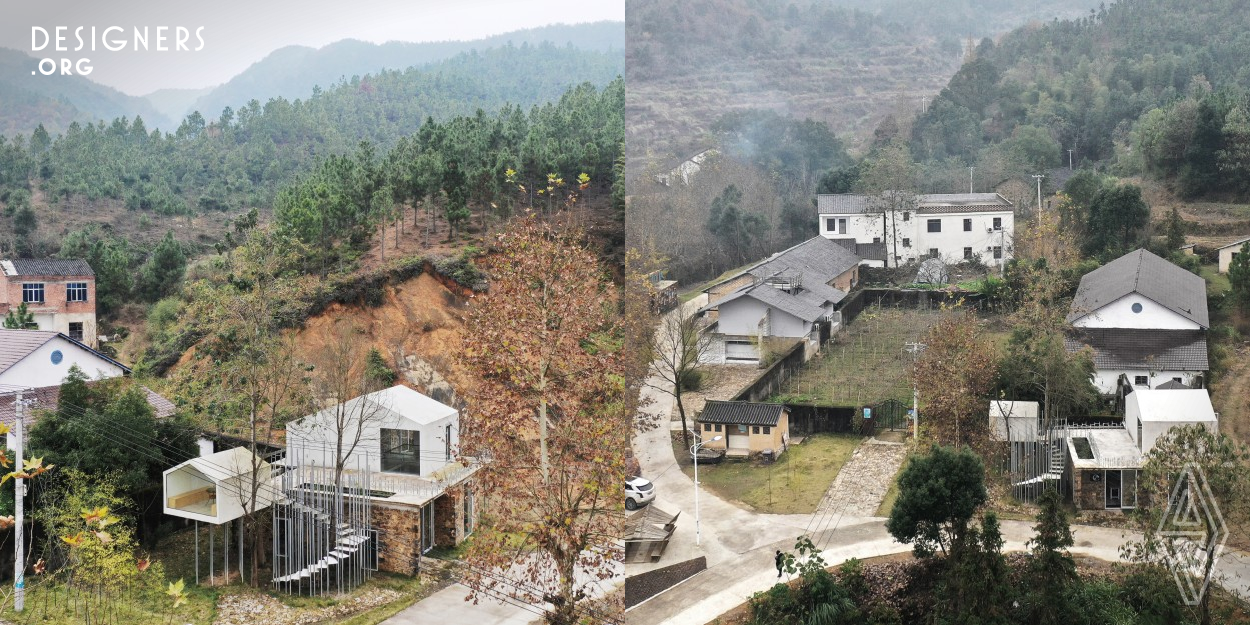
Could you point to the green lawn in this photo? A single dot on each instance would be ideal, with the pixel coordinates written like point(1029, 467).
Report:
point(868, 363)
point(794, 484)
point(1217, 282)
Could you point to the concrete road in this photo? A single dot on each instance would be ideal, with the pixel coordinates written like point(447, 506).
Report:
point(739, 545)
point(448, 606)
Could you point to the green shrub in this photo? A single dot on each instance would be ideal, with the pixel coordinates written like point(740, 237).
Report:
point(693, 380)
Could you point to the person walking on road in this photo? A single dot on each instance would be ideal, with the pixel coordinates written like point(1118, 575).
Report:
point(781, 562)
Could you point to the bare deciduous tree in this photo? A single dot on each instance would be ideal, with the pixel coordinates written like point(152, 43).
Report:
point(679, 345)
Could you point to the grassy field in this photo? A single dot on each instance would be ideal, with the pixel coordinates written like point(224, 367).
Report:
point(868, 363)
point(794, 484)
point(1216, 282)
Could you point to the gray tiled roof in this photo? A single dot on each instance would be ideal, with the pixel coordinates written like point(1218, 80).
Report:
point(1234, 243)
point(927, 204)
point(954, 203)
point(740, 413)
point(1168, 350)
point(46, 267)
point(963, 199)
point(817, 258)
point(842, 203)
point(784, 302)
point(1142, 272)
point(18, 344)
point(46, 399)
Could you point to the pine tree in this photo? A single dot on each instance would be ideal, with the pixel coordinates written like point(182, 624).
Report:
point(20, 319)
point(1053, 571)
point(1176, 231)
point(1239, 275)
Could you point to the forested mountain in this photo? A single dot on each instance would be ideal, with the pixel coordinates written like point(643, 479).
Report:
point(329, 193)
point(55, 101)
point(292, 72)
point(240, 158)
point(1147, 86)
point(845, 63)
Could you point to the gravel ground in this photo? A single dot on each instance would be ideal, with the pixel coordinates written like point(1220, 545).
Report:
point(260, 609)
point(864, 479)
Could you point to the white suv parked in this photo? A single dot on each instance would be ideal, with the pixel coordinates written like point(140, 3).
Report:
point(638, 492)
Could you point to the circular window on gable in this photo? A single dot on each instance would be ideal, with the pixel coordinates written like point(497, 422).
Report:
point(57, 357)
point(1136, 307)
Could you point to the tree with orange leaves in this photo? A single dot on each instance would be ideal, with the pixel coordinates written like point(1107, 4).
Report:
point(546, 417)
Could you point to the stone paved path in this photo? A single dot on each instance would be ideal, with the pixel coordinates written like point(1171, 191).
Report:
point(864, 479)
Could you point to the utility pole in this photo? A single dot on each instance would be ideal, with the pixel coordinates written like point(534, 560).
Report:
point(1069, 160)
point(970, 179)
point(924, 101)
point(19, 493)
point(1039, 177)
point(915, 349)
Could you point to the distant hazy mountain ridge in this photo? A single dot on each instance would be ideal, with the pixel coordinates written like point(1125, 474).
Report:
point(291, 73)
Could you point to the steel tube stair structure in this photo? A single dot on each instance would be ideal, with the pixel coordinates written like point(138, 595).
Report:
point(323, 541)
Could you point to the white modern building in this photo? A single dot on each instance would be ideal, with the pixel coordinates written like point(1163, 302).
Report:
point(897, 227)
point(217, 488)
point(1149, 414)
point(400, 431)
point(1145, 320)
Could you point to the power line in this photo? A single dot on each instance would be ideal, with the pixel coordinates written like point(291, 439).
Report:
point(263, 486)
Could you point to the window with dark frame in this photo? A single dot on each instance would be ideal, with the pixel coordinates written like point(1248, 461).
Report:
point(447, 442)
point(998, 223)
point(707, 427)
point(934, 253)
point(768, 430)
point(998, 252)
point(935, 225)
point(717, 427)
point(906, 215)
point(967, 253)
point(967, 225)
point(1140, 380)
point(401, 451)
point(755, 429)
point(876, 239)
point(831, 224)
point(842, 226)
point(906, 242)
point(76, 292)
point(75, 330)
point(32, 293)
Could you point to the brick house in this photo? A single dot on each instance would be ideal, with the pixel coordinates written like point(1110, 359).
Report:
point(60, 294)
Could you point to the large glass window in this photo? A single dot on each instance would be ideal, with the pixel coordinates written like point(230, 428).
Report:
point(935, 225)
point(32, 292)
point(401, 451)
point(76, 292)
point(75, 330)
